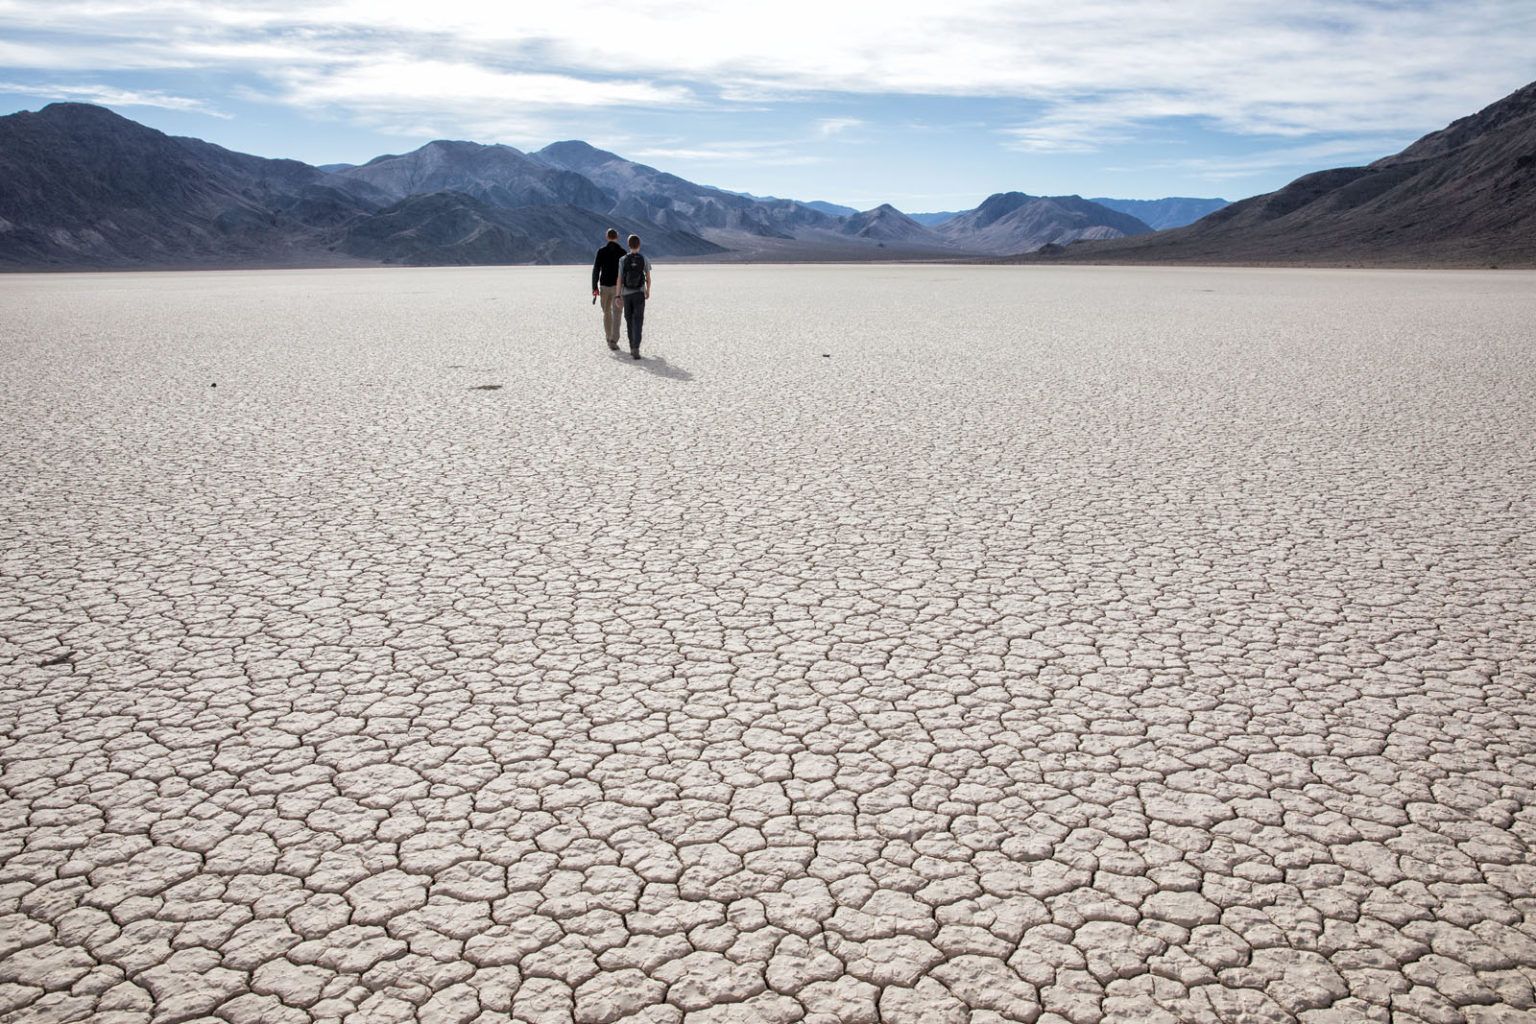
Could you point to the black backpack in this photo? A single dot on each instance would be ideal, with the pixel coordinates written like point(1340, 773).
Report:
point(632, 271)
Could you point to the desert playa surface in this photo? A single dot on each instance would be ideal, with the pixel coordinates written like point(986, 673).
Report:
point(904, 644)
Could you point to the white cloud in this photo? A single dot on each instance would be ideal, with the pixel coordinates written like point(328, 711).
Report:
point(780, 152)
point(54, 55)
point(830, 126)
point(110, 96)
point(1092, 71)
point(1337, 153)
point(427, 84)
point(695, 153)
point(437, 98)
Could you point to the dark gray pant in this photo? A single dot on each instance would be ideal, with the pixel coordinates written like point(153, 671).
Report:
point(634, 318)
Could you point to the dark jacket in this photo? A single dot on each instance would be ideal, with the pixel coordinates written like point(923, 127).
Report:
point(605, 269)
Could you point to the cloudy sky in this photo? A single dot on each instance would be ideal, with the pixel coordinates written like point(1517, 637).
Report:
point(930, 107)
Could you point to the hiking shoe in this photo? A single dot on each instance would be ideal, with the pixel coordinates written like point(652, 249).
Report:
point(634, 353)
point(613, 346)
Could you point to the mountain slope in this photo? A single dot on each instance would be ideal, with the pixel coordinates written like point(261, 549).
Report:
point(643, 191)
point(499, 175)
point(1464, 195)
point(1162, 214)
point(454, 228)
point(885, 223)
point(1013, 222)
point(933, 220)
point(82, 186)
point(831, 209)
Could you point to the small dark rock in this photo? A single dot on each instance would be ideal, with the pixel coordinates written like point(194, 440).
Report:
point(57, 659)
point(486, 387)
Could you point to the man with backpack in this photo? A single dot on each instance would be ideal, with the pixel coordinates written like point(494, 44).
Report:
point(634, 289)
point(605, 286)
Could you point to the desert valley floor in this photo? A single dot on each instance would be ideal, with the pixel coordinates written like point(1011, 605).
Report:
point(911, 645)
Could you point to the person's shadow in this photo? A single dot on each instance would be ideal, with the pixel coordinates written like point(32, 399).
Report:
point(657, 367)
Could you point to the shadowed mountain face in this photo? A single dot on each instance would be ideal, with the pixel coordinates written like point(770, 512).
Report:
point(1012, 222)
point(453, 228)
point(80, 185)
point(1463, 195)
point(1162, 214)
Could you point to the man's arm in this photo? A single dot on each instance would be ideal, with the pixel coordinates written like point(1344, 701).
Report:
point(597, 262)
point(647, 277)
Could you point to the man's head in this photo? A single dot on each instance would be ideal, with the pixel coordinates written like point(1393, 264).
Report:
point(613, 234)
point(634, 242)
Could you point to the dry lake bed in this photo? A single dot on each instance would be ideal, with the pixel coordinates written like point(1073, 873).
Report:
point(909, 645)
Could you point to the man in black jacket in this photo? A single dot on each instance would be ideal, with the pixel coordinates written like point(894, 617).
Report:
point(605, 286)
point(634, 289)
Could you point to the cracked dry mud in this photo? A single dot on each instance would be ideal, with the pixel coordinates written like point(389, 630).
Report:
point(1074, 645)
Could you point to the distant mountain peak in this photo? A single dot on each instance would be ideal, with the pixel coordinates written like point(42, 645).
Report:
point(1162, 214)
point(999, 205)
point(1014, 222)
point(574, 154)
point(885, 223)
point(501, 175)
point(831, 209)
point(74, 111)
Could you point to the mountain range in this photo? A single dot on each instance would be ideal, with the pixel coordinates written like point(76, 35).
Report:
point(1461, 196)
point(1162, 214)
point(81, 186)
point(1002, 220)
point(1157, 214)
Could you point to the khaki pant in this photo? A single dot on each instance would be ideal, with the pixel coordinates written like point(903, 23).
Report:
point(608, 298)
